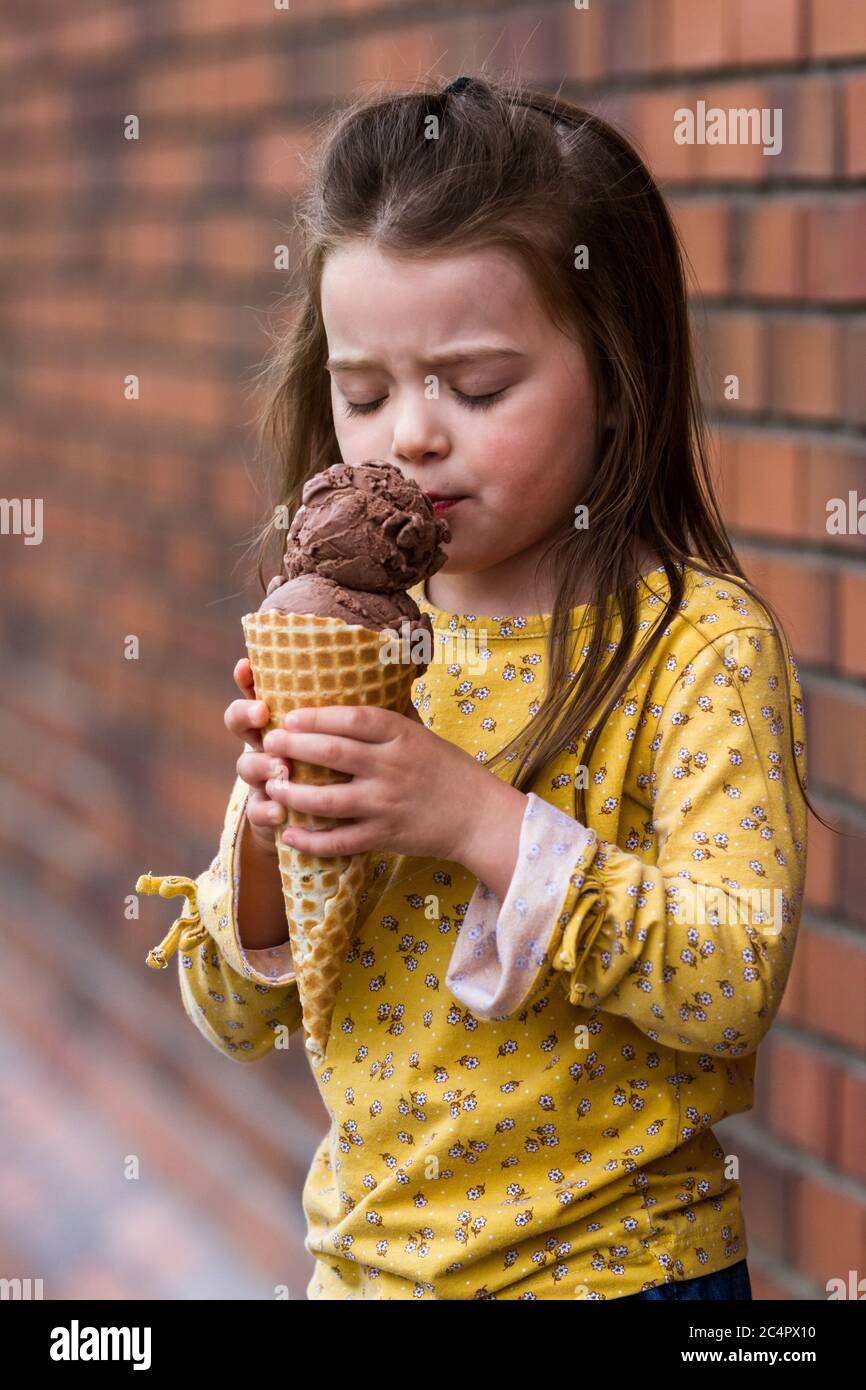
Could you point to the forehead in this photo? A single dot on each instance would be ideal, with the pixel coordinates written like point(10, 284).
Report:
point(369, 292)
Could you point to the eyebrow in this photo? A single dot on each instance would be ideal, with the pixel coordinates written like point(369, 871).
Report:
point(436, 359)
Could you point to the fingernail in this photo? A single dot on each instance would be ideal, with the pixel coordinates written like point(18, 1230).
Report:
point(277, 768)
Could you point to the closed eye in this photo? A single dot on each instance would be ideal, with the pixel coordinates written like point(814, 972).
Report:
point(472, 402)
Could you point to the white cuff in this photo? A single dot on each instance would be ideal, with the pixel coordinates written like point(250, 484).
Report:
point(503, 946)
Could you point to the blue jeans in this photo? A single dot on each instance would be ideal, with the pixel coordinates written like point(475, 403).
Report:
point(722, 1285)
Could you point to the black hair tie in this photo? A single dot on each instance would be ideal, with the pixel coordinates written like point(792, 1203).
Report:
point(459, 84)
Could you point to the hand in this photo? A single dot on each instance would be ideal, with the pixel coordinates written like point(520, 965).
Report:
point(410, 792)
point(245, 718)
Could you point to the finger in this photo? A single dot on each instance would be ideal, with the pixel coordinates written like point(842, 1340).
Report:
point(274, 583)
point(245, 715)
point(261, 810)
point(243, 674)
point(324, 750)
point(337, 801)
point(245, 718)
point(256, 768)
point(366, 723)
point(348, 838)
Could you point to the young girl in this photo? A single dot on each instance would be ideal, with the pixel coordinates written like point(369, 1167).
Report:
point(588, 837)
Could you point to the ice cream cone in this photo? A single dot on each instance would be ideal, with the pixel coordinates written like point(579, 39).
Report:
point(299, 660)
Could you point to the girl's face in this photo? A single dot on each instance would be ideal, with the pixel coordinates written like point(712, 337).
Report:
point(451, 369)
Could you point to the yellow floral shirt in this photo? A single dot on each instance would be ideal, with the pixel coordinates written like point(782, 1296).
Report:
point(521, 1093)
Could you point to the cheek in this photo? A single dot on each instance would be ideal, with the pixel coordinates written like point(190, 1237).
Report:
point(355, 433)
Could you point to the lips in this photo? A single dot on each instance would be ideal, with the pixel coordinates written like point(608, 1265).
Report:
point(444, 504)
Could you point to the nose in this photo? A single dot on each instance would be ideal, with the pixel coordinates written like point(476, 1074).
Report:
point(418, 438)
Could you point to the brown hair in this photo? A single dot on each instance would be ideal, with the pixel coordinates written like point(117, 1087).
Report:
point(516, 168)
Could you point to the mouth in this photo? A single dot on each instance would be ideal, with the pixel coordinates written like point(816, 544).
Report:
point(440, 503)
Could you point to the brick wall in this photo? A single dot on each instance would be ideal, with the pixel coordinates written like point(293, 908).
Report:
point(155, 258)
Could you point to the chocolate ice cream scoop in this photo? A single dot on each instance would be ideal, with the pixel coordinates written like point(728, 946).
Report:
point(362, 537)
point(311, 593)
point(366, 527)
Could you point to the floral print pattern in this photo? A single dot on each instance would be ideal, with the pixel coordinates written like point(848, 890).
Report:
point(522, 1093)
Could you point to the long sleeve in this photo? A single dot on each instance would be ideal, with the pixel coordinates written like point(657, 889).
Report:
point(240, 1000)
point(694, 949)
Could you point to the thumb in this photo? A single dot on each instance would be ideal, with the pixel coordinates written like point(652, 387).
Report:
point(243, 675)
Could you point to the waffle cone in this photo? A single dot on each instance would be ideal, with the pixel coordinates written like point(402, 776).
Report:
point(299, 660)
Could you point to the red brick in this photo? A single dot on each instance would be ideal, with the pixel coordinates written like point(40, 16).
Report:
point(197, 325)
point(809, 119)
point(803, 594)
point(42, 590)
point(852, 875)
point(21, 47)
point(140, 245)
point(854, 100)
point(737, 347)
point(169, 482)
point(769, 1191)
point(851, 1154)
point(197, 401)
point(411, 48)
point(805, 358)
point(830, 475)
point(704, 227)
point(772, 240)
point(101, 35)
point(237, 245)
point(836, 263)
point(837, 29)
point(197, 716)
point(225, 17)
point(852, 626)
point(823, 867)
point(853, 378)
point(829, 1225)
point(770, 472)
point(186, 792)
point(723, 454)
point(739, 163)
point(275, 168)
point(192, 558)
point(835, 1004)
point(771, 32)
point(651, 126)
point(702, 34)
point(250, 82)
point(159, 168)
point(643, 34)
point(793, 1006)
point(837, 739)
point(584, 37)
point(231, 493)
point(765, 1285)
point(33, 112)
point(803, 1097)
point(62, 174)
